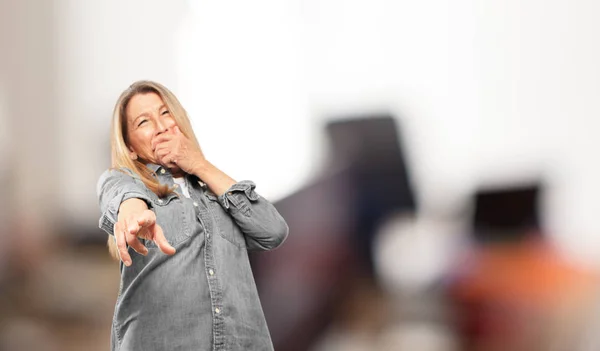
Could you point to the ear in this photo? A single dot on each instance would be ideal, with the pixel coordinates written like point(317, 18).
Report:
point(132, 154)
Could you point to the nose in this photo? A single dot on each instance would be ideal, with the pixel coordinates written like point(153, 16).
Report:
point(161, 126)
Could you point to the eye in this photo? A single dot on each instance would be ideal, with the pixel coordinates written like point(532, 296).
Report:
point(165, 112)
point(142, 122)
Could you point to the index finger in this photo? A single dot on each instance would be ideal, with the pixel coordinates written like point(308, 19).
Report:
point(120, 232)
point(161, 138)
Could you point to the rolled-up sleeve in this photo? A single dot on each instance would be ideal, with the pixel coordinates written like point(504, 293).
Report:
point(113, 188)
point(259, 220)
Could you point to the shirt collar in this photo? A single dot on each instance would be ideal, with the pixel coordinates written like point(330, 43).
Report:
point(158, 170)
point(155, 168)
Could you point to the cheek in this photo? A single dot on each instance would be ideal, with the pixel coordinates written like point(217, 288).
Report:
point(141, 140)
point(171, 123)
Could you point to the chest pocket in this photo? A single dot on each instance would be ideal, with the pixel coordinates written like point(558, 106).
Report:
point(227, 228)
point(173, 216)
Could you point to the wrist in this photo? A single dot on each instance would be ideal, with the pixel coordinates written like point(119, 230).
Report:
point(131, 206)
point(200, 168)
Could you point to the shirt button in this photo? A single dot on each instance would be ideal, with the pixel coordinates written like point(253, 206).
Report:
point(195, 204)
point(207, 235)
point(176, 185)
point(211, 272)
point(162, 171)
point(217, 310)
point(229, 193)
point(160, 201)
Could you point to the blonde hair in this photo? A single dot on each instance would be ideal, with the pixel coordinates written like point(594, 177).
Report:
point(120, 153)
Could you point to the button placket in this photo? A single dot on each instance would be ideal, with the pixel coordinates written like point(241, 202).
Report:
point(205, 217)
point(214, 289)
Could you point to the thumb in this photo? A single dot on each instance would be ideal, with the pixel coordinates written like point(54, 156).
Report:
point(177, 130)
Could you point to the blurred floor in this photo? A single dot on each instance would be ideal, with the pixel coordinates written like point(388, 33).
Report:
point(64, 304)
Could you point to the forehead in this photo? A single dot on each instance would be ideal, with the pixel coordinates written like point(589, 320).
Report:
point(143, 103)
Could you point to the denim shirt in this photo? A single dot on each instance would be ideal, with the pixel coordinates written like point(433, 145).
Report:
point(204, 296)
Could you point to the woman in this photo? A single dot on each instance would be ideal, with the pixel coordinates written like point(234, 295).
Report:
point(181, 228)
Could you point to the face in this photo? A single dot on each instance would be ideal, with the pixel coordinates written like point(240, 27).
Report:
point(147, 118)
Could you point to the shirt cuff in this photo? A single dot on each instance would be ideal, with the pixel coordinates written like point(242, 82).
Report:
point(236, 193)
point(110, 216)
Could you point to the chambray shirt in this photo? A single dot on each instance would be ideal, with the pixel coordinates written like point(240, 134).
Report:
point(204, 296)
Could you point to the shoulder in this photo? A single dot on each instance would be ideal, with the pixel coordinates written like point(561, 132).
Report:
point(117, 176)
point(122, 172)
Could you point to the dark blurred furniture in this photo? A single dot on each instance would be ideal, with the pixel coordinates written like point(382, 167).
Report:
point(507, 214)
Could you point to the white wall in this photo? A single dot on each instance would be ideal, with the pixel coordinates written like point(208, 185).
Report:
point(104, 47)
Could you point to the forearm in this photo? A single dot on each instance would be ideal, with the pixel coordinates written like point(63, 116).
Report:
point(258, 219)
point(115, 188)
point(216, 180)
point(262, 225)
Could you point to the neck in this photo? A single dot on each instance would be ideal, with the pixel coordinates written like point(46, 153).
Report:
point(176, 172)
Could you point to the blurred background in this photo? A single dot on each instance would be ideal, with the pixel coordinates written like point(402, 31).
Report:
point(436, 162)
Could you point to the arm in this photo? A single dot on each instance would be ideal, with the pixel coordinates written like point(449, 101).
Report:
point(259, 220)
point(215, 179)
point(126, 215)
point(115, 187)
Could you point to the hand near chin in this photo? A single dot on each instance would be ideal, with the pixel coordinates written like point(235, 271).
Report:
point(175, 150)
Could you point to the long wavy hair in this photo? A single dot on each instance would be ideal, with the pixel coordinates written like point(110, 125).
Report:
point(119, 142)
